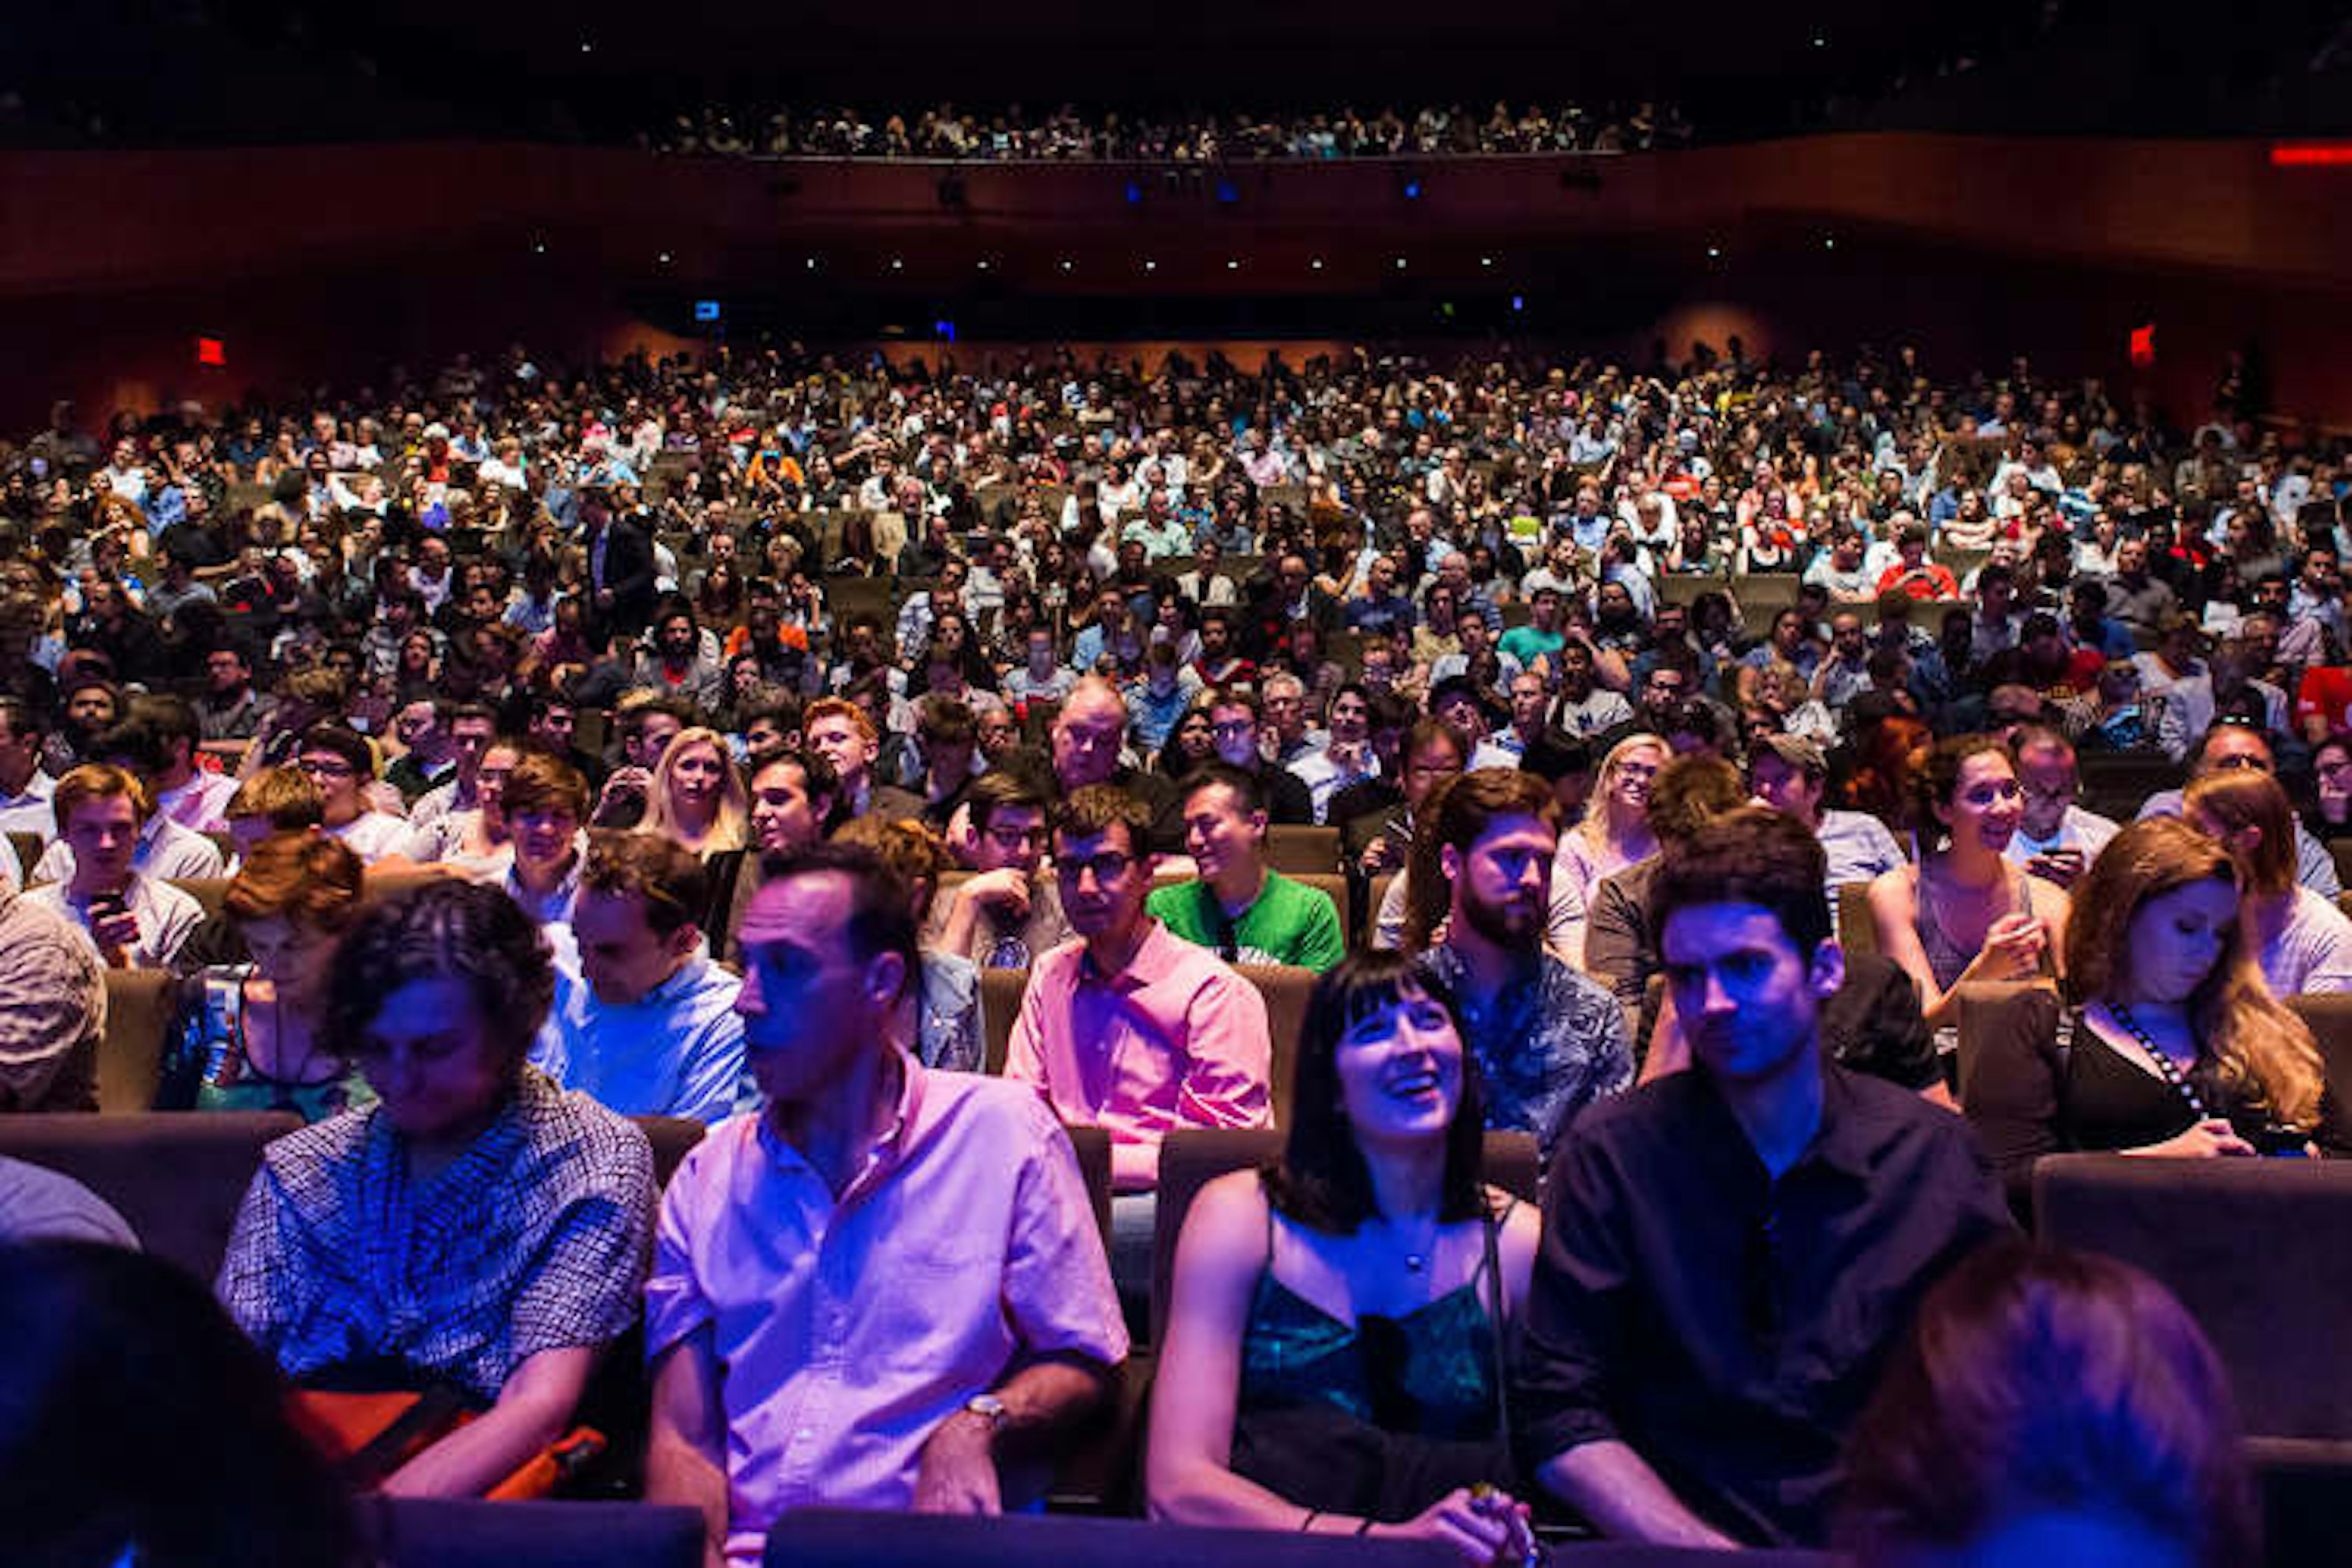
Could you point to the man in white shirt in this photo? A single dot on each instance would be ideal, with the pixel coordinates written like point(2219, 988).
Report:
point(2056, 839)
point(163, 849)
point(135, 921)
point(644, 1023)
point(1347, 756)
point(25, 789)
point(340, 762)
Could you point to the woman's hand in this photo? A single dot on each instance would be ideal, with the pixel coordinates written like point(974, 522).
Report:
point(2013, 948)
point(2210, 1138)
point(1483, 1526)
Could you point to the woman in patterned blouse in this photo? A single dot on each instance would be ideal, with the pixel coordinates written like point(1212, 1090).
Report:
point(477, 1228)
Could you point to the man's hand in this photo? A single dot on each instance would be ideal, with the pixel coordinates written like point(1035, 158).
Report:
point(958, 1471)
point(1004, 890)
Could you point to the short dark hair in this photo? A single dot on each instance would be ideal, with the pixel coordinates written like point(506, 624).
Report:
point(664, 878)
point(1245, 785)
point(1320, 1180)
point(1093, 811)
point(133, 742)
point(996, 789)
point(1692, 791)
point(1754, 855)
point(1555, 754)
point(881, 912)
point(343, 742)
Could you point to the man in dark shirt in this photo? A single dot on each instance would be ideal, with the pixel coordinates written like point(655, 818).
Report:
point(1729, 1253)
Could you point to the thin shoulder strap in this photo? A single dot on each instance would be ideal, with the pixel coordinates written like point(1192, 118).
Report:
point(1492, 1226)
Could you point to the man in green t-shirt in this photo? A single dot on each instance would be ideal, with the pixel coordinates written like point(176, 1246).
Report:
point(1237, 908)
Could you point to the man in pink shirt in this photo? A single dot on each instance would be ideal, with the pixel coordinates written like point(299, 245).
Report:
point(887, 1283)
point(1128, 1027)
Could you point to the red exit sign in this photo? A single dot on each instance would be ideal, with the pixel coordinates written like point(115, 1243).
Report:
point(2311, 154)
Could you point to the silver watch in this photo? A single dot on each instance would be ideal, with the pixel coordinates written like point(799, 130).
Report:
point(988, 1408)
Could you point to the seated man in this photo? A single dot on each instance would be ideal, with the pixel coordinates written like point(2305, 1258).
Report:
point(642, 1023)
point(545, 800)
point(166, 850)
point(342, 764)
point(1008, 911)
point(135, 921)
point(1548, 1039)
point(2226, 746)
point(52, 1006)
point(1347, 755)
point(2057, 839)
point(843, 734)
point(1128, 1028)
point(886, 1281)
point(1238, 908)
point(1236, 729)
point(1729, 1254)
point(1790, 773)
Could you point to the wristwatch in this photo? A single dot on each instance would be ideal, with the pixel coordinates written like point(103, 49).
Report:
point(988, 1408)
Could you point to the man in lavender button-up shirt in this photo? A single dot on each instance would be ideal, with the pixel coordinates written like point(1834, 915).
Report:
point(888, 1282)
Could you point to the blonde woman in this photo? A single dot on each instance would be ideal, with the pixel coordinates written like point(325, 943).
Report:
point(696, 796)
point(2300, 942)
point(2170, 1044)
point(1614, 834)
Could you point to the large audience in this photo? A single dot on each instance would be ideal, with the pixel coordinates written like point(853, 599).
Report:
point(494, 759)
point(1066, 133)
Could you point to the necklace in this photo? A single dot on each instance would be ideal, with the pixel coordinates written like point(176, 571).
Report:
point(1416, 1258)
point(2164, 1064)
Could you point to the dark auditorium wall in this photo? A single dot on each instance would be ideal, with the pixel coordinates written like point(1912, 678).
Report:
point(110, 264)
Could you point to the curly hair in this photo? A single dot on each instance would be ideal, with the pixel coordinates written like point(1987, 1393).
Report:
point(2258, 1050)
point(1935, 781)
point(444, 930)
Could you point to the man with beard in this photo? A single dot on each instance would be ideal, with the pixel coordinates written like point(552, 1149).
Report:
point(1548, 1039)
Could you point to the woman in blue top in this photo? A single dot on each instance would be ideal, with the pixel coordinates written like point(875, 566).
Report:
point(250, 1037)
point(1339, 1324)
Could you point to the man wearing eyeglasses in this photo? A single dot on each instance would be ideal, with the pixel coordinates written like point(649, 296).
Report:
point(2233, 745)
point(2056, 839)
point(341, 764)
point(1127, 1027)
point(1009, 910)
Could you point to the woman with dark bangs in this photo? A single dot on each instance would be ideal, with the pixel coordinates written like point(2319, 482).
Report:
point(2050, 1406)
point(1339, 1324)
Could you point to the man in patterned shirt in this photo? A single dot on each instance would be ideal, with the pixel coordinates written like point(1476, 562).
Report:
point(1548, 1039)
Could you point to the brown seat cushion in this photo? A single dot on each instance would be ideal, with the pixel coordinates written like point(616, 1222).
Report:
point(177, 1177)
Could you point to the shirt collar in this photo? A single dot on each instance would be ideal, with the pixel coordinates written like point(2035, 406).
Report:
point(1844, 1142)
point(1142, 966)
point(888, 1149)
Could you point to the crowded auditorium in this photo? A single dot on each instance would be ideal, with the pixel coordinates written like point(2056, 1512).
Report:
point(1297, 786)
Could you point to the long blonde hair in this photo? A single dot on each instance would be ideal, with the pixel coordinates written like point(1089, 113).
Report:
point(2260, 1051)
point(728, 826)
point(1595, 825)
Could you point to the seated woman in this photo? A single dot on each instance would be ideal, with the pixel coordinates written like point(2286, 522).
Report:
point(2302, 941)
point(251, 1036)
point(1335, 1357)
point(476, 1228)
point(696, 796)
point(2050, 1406)
point(2171, 1045)
point(1961, 912)
point(949, 1032)
point(2329, 815)
point(1613, 835)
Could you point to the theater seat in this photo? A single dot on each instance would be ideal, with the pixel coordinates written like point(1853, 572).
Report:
point(2330, 1018)
point(1286, 990)
point(673, 1138)
point(139, 1005)
point(29, 847)
point(1332, 885)
point(837, 1537)
point(1092, 1146)
point(1300, 847)
point(207, 890)
point(1191, 1159)
point(2259, 1251)
point(1000, 1003)
point(1856, 931)
point(422, 1533)
point(176, 1175)
point(1991, 1010)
